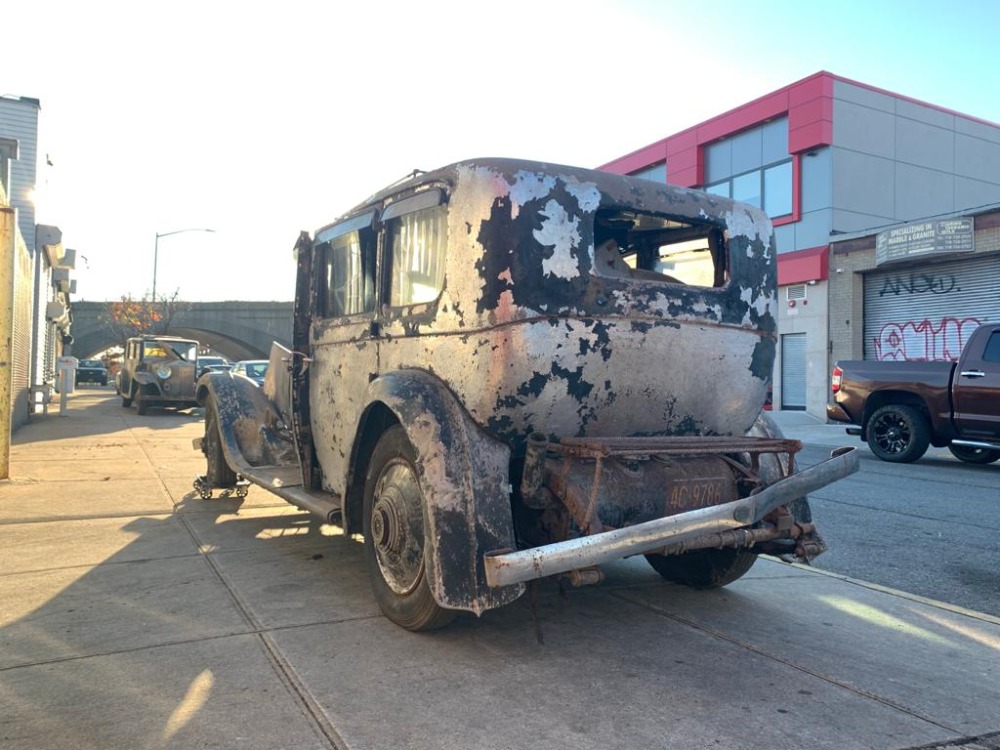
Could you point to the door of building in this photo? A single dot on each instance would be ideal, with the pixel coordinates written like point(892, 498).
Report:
point(793, 371)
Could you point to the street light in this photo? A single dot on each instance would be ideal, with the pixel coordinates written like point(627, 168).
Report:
point(156, 249)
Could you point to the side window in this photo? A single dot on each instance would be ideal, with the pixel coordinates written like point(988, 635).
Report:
point(992, 352)
point(417, 243)
point(347, 268)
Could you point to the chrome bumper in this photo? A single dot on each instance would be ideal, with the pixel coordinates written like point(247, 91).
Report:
point(504, 568)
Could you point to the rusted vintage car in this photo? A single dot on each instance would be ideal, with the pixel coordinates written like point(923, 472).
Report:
point(158, 371)
point(506, 370)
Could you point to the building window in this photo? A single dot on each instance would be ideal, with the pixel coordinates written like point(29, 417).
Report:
point(747, 188)
point(753, 167)
point(778, 189)
point(657, 172)
point(769, 188)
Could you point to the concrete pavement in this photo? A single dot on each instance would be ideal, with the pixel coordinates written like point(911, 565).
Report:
point(135, 615)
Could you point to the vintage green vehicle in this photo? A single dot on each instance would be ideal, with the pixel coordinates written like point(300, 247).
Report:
point(505, 370)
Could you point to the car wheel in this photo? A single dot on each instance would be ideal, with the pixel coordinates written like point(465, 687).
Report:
point(898, 433)
point(394, 536)
point(974, 455)
point(703, 568)
point(218, 472)
point(127, 400)
point(142, 406)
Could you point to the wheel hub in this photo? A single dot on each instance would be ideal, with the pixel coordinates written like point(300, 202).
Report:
point(397, 527)
point(385, 526)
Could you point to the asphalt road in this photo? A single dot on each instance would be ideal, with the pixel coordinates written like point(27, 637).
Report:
point(930, 528)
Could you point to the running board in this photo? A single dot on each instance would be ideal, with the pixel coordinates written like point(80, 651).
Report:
point(977, 444)
point(286, 482)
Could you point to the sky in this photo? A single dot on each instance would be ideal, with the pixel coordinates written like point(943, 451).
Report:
point(260, 120)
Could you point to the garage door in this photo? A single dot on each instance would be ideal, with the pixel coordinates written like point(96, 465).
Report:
point(927, 313)
point(793, 371)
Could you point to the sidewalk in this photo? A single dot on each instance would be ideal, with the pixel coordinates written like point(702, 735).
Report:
point(134, 615)
point(803, 426)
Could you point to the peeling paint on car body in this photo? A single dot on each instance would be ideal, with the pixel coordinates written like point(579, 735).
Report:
point(528, 334)
point(530, 338)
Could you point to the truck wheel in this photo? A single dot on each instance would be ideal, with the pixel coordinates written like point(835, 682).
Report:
point(974, 455)
point(898, 433)
point(703, 568)
point(218, 473)
point(394, 536)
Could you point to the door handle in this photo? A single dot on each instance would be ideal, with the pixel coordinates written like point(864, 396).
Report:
point(972, 374)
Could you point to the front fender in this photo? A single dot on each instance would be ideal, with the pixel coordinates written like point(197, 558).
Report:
point(464, 476)
point(250, 426)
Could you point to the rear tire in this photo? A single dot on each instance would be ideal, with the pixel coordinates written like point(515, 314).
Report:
point(395, 546)
point(703, 568)
point(127, 400)
point(898, 433)
point(974, 455)
point(217, 473)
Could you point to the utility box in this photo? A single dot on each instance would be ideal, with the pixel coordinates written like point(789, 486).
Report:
point(66, 367)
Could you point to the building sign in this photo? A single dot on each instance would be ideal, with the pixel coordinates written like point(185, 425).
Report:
point(926, 238)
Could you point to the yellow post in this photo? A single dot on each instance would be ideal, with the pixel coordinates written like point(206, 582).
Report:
point(8, 234)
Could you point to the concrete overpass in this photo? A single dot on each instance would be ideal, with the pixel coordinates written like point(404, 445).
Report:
point(237, 330)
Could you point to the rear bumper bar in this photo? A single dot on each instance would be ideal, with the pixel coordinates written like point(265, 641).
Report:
point(504, 568)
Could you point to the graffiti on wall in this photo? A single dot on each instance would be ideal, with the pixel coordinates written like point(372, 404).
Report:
point(924, 340)
point(920, 283)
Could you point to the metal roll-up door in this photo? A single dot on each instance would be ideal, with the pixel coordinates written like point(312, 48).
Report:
point(793, 371)
point(927, 312)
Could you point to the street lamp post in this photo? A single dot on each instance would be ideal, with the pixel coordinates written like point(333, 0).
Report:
point(156, 249)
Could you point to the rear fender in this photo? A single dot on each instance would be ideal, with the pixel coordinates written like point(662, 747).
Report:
point(464, 477)
point(250, 426)
point(775, 466)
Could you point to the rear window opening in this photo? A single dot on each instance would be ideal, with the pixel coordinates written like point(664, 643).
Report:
point(649, 247)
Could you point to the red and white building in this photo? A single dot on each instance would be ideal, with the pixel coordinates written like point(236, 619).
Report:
point(829, 159)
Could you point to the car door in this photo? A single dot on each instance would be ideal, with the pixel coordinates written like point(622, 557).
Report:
point(415, 239)
point(976, 389)
point(343, 338)
point(128, 364)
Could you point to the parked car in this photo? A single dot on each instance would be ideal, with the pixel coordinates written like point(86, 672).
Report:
point(209, 363)
point(91, 371)
point(255, 369)
point(158, 371)
point(506, 370)
point(900, 408)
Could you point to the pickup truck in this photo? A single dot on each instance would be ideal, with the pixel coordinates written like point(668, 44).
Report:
point(901, 408)
point(507, 370)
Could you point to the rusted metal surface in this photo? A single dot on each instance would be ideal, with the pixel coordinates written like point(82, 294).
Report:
point(530, 337)
point(155, 371)
point(463, 476)
point(296, 365)
point(504, 569)
point(638, 391)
